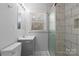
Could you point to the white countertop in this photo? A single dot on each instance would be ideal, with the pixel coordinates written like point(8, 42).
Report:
point(26, 38)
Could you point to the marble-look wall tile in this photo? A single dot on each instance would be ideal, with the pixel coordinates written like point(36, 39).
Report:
point(71, 33)
point(60, 29)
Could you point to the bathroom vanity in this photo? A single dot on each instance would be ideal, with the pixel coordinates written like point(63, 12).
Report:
point(28, 45)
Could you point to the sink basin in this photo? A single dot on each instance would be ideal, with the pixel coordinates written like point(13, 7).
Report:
point(27, 38)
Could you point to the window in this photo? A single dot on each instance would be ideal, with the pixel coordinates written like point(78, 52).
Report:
point(76, 23)
point(38, 22)
point(37, 25)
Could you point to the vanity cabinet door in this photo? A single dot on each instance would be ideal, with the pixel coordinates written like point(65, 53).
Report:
point(27, 47)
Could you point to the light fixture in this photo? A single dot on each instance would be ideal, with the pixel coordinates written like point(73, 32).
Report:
point(26, 9)
point(23, 6)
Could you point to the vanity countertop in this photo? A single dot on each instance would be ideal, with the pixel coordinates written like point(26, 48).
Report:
point(26, 38)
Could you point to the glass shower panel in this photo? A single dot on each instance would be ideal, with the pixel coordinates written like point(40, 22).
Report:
point(52, 32)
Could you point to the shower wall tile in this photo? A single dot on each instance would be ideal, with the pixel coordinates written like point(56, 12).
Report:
point(68, 44)
point(71, 33)
point(68, 30)
point(77, 50)
point(77, 39)
point(73, 50)
point(60, 36)
point(69, 21)
point(74, 38)
point(68, 6)
point(77, 5)
point(74, 46)
point(75, 11)
point(60, 29)
point(59, 16)
point(68, 13)
point(67, 36)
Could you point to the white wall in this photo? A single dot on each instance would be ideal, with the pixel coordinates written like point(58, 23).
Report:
point(41, 40)
point(8, 24)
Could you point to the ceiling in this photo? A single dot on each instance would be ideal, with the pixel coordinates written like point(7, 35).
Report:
point(38, 7)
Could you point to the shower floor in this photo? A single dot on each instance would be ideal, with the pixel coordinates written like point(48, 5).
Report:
point(42, 53)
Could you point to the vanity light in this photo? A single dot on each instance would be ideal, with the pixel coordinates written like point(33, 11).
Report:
point(26, 9)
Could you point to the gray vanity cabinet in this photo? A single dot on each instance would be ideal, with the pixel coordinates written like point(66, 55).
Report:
point(27, 47)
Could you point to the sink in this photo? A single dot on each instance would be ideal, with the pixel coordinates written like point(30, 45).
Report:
point(26, 38)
